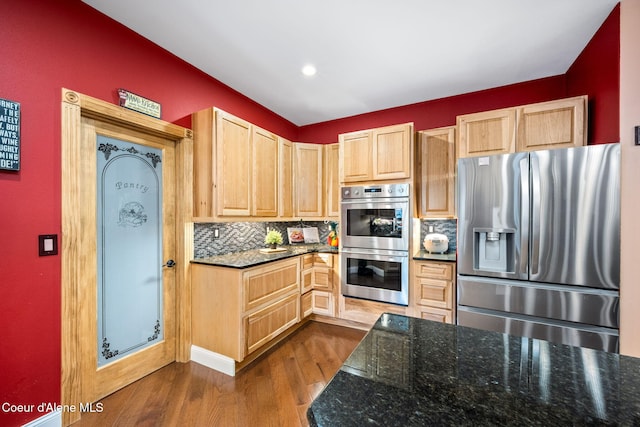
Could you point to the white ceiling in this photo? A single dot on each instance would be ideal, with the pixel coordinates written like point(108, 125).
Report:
point(370, 54)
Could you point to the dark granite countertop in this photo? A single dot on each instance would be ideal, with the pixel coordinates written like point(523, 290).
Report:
point(413, 372)
point(423, 255)
point(254, 257)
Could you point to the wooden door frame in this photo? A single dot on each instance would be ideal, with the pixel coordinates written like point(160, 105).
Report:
point(75, 245)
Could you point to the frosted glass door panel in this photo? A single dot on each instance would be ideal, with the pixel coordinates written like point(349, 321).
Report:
point(129, 218)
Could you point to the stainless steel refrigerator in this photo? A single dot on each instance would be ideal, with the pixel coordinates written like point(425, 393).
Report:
point(539, 244)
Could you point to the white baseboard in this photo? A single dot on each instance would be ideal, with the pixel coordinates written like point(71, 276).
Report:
point(212, 360)
point(52, 419)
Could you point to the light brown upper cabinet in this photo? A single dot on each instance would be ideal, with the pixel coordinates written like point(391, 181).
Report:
point(435, 175)
point(554, 124)
point(233, 148)
point(264, 188)
point(235, 167)
point(487, 133)
point(332, 180)
point(285, 185)
point(377, 154)
point(308, 175)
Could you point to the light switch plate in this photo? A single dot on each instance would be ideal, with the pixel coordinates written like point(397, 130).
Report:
point(48, 244)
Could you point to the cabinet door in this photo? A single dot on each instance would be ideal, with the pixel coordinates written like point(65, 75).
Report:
point(487, 133)
point(355, 157)
point(322, 303)
point(265, 173)
point(436, 173)
point(332, 180)
point(203, 161)
point(234, 165)
point(306, 306)
point(554, 124)
point(322, 278)
point(285, 180)
point(308, 180)
point(267, 323)
point(391, 152)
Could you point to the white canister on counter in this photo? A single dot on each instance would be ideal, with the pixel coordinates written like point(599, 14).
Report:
point(435, 242)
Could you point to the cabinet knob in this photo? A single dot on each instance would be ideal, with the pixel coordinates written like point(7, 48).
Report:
point(170, 263)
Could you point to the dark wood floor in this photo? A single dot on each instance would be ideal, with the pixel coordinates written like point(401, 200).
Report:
point(275, 390)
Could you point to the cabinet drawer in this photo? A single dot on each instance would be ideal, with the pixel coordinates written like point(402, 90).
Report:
point(266, 284)
point(434, 293)
point(435, 270)
point(435, 314)
point(264, 325)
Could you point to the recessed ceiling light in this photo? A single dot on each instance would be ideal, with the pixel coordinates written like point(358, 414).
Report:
point(309, 70)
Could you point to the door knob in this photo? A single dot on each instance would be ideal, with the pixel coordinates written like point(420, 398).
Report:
point(170, 263)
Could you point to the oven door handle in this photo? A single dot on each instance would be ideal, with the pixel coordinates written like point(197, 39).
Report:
point(387, 254)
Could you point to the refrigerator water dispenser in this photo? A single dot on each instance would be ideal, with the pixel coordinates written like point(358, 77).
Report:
point(493, 249)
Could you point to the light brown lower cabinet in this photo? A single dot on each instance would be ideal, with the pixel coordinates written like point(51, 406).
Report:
point(434, 290)
point(318, 276)
point(236, 311)
point(366, 312)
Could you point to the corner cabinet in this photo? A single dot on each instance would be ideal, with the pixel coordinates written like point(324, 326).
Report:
point(377, 154)
point(435, 174)
point(308, 186)
point(319, 284)
point(554, 124)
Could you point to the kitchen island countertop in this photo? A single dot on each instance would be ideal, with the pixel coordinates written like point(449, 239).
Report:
point(413, 372)
point(254, 257)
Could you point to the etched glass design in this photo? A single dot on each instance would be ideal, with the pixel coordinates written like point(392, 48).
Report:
point(129, 218)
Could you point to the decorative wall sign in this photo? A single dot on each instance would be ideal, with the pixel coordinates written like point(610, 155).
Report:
point(137, 103)
point(9, 135)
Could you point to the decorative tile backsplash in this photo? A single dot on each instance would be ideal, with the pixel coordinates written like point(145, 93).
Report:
point(243, 236)
point(448, 227)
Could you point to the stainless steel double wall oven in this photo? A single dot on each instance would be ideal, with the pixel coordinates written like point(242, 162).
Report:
point(375, 230)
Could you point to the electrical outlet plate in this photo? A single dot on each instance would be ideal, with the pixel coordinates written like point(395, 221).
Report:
point(48, 244)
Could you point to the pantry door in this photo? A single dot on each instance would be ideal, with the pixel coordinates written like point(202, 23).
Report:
point(125, 311)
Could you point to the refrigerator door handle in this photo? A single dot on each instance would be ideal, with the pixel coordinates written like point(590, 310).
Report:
point(524, 215)
point(535, 214)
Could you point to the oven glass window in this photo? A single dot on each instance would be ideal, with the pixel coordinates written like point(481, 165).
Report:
point(375, 222)
point(374, 274)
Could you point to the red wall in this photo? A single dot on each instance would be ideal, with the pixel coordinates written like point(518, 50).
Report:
point(49, 45)
point(594, 73)
point(439, 112)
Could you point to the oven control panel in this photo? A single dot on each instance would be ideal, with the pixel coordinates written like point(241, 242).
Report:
point(375, 191)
